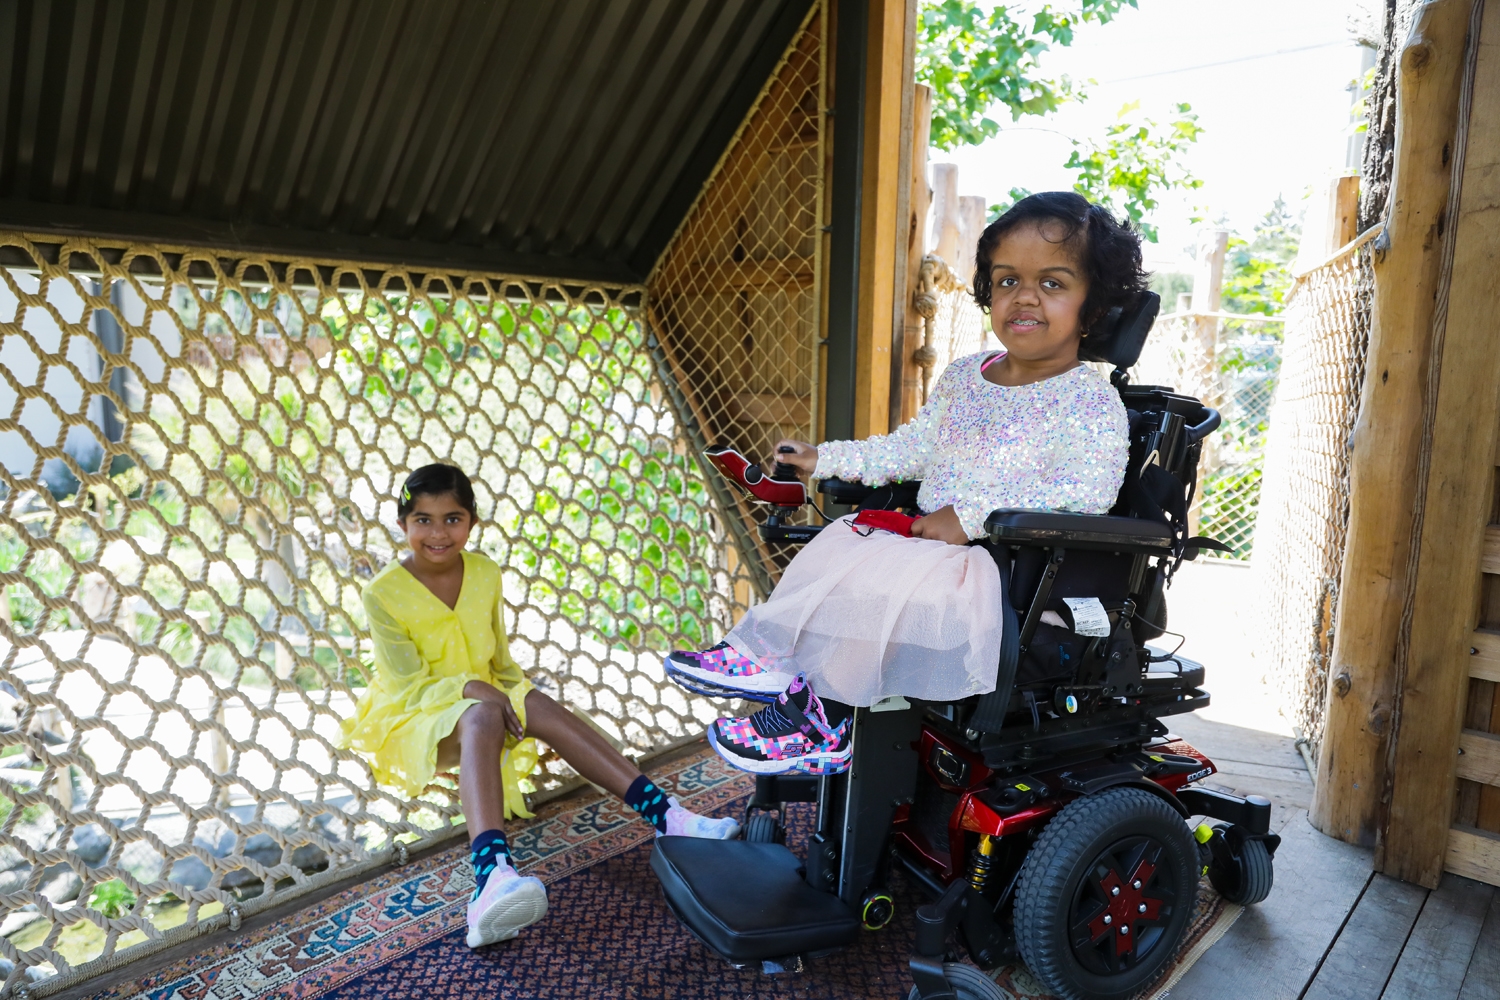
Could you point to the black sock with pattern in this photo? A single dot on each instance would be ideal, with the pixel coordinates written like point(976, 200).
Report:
point(650, 801)
point(486, 852)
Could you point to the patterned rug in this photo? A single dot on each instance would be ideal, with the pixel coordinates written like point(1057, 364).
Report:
point(607, 933)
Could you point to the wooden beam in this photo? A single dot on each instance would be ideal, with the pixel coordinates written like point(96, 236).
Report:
point(1473, 854)
point(1454, 503)
point(911, 186)
point(1491, 563)
point(1484, 655)
point(1479, 756)
point(880, 223)
point(907, 396)
point(1387, 437)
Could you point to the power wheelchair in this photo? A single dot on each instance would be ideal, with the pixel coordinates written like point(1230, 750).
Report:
point(1048, 819)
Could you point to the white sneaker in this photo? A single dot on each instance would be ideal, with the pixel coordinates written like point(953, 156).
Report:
point(686, 823)
point(509, 902)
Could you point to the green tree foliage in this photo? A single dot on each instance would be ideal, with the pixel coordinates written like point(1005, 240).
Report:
point(1139, 159)
point(973, 60)
point(1257, 272)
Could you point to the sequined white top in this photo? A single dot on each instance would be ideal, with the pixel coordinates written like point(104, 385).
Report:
point(1060, 443)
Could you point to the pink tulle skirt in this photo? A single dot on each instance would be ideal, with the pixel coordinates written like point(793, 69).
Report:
point(870, 616)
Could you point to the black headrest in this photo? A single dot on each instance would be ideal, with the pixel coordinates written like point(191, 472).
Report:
point(1119, 337)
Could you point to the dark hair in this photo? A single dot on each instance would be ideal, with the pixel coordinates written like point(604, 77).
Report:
point(1110, 252)
point(435, 480)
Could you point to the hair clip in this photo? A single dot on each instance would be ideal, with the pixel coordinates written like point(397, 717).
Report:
point(405, 494)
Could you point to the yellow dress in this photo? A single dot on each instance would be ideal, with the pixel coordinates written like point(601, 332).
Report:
point(425, 652)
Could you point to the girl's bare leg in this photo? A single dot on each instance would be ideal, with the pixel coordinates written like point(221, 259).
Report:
point(475, 745)
point(577, 743)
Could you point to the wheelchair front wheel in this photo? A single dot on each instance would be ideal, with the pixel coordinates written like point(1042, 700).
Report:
point(1105, 895)
point(968, 983)
point(764, 828)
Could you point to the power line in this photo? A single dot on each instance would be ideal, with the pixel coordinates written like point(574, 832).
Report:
point(1227, 62)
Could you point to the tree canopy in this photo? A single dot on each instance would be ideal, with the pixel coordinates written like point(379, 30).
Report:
point(977, 62)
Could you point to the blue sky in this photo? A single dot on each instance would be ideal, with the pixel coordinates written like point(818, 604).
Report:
point(1268, 80)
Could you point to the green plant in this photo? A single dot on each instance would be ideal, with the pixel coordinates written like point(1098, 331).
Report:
point(113, 899)
point(1257, 272)
point(1139, 159)
point(974, 60)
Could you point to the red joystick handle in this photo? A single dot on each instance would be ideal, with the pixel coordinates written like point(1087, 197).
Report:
point(751, 480)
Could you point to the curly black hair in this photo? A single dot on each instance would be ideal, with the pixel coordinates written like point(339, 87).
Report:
point(1109, 251)
point(435, 480)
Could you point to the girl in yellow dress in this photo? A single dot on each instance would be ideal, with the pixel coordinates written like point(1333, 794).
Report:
point(446, 692)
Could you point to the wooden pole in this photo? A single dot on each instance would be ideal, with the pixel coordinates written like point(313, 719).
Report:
point(1460, 421)
point(945, 225)
point(918, 203)
point(972, 211)
point(1343, 212)
point(880, 221)
point(1383, 466)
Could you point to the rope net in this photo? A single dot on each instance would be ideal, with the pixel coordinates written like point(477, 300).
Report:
point(735, 301)
point(1305, 505)
point(199, 464)
point(952, 325)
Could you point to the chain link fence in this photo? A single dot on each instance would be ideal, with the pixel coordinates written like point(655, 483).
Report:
point(1305, 506)
point(1233, 363)
point(199, 463)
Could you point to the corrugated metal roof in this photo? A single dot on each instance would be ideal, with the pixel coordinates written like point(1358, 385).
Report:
point(561, 138)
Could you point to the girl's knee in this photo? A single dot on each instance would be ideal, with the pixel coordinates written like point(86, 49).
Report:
point(485, 717)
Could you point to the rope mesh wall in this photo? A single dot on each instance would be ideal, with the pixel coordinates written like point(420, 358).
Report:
point(1305, 505)
point(1231, 363)
point(199, 463)
point(953, 326)
point(735, 301)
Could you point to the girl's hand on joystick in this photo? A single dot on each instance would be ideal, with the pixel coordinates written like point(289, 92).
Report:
point(798, 454)
point(942, 526)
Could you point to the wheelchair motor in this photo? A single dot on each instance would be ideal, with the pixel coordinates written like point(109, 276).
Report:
point(1051, 820)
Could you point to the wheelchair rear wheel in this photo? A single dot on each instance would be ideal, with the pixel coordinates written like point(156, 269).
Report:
point(968, 983)
point(1105, 895)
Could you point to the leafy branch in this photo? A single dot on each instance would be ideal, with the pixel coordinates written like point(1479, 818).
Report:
point(973, 60)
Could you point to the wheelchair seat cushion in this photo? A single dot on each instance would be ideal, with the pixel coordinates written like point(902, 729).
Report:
point(748, 901)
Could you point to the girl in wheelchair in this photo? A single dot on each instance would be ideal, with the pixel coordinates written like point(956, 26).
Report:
point(863, 614)
point(446, 693)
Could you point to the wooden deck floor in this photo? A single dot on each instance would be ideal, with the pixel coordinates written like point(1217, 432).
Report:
point(1331, 929)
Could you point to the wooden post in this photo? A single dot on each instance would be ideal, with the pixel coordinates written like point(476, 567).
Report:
point(972, 211)
point(1452, 506)
point(945, 226)
point(880, 220)
point(1343, 212)
point(1383, 467)
point(918, 203)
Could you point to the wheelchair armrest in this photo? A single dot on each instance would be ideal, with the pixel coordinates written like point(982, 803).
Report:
point(853, 492)
point(1078, 531)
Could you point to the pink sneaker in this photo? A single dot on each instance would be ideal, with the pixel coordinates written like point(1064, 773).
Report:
point(724, 672)
point(792, 734)
point(683, 822)
point(509, 902)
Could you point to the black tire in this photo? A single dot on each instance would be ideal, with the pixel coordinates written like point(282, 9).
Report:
point(1071, 889)
point(968, 984)
point(1244, 876)
point(763, 828)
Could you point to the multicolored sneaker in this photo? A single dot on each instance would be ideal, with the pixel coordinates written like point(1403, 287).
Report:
point(724, 672)
point(792, 734)
point(509, 902)
point(683, 822)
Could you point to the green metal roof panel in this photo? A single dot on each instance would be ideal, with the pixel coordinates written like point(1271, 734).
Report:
point(564, 138)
